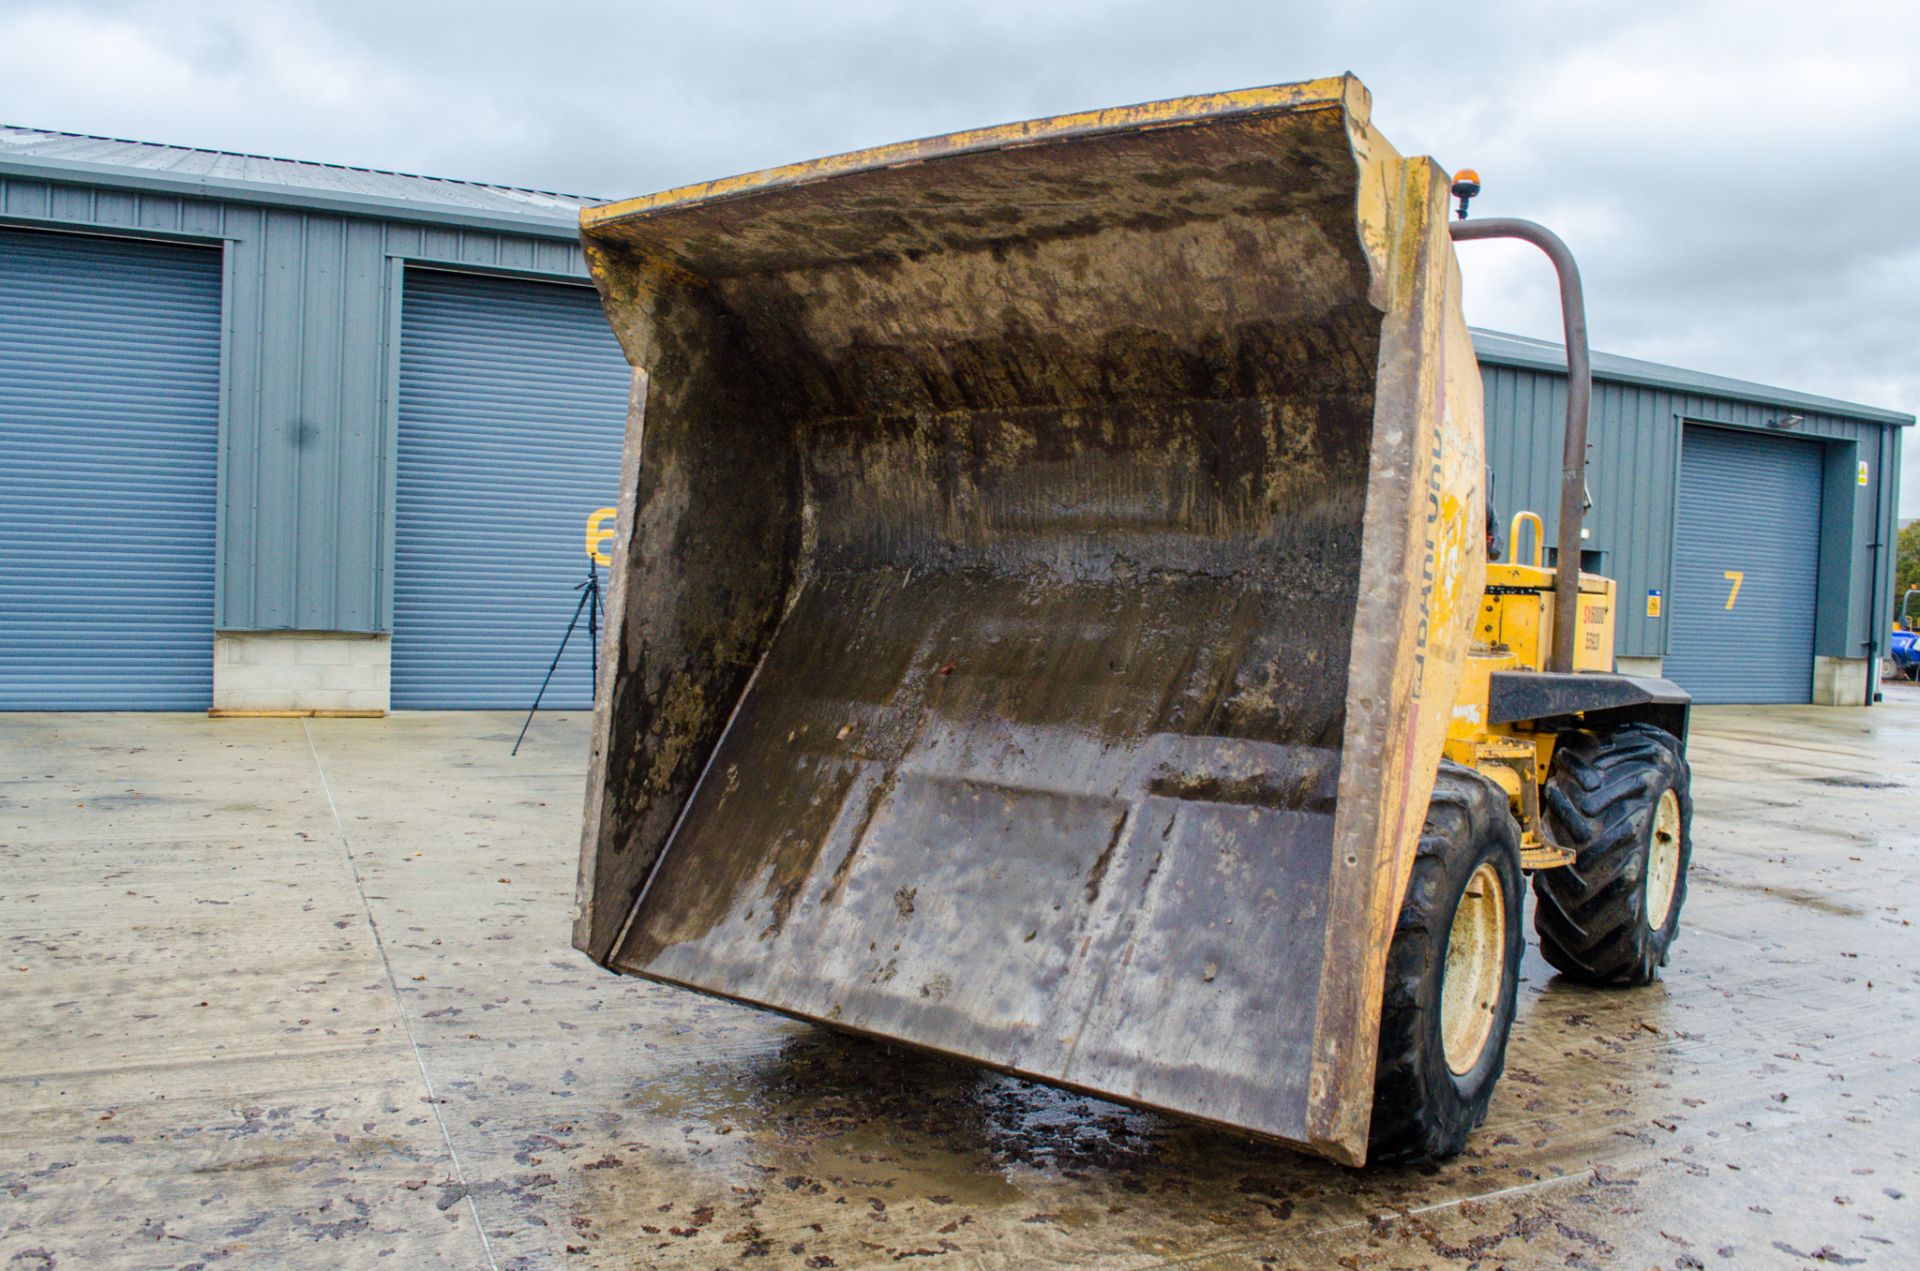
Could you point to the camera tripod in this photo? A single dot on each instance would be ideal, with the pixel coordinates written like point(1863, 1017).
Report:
point(589, 605)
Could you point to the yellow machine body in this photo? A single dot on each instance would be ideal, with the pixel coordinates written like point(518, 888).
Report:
point(1514, 633)
point(1050, 567)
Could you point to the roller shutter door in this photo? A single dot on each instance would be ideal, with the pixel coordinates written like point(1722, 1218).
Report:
point(1749, 515)
point(513, 399)
point(109, 432)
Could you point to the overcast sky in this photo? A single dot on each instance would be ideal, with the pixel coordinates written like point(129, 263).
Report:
point(1738, 179)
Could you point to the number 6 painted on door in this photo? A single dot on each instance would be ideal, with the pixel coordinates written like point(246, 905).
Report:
point(600, 535)
point(1733, 576)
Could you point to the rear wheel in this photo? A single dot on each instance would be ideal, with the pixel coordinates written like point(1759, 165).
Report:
point(1622, 801)
point(1452, 975)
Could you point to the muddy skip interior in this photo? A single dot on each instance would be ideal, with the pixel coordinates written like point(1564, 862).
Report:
point(1011, 506)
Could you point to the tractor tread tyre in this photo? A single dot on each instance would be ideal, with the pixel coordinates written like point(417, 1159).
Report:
point(1601, 798)
point(1422, 1111)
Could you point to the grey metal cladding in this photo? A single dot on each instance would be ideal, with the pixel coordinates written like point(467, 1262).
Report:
point(109, 414)
point(306, 411)
point(264, 179)
point(1634, 466)
point(1743, 605)
point(513, 413)
point(1502, 349)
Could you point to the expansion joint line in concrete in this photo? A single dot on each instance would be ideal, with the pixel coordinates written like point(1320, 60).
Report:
point(399, 1003)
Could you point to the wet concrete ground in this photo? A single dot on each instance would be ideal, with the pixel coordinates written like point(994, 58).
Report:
point(299, 994)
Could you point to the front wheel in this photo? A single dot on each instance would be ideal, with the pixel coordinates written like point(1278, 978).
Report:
point(1453, 974)
point(1623, 801)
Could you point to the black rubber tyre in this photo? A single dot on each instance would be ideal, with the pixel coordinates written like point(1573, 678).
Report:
point(1422, 1109)
point(1601, 800)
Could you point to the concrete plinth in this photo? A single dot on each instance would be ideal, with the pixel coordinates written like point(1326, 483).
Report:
point(300, 673)
point(1841, 682)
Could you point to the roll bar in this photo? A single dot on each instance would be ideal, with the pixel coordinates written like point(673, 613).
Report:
point(1573, 453)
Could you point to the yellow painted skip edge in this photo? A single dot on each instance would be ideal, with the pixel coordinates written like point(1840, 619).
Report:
point(1340, 90)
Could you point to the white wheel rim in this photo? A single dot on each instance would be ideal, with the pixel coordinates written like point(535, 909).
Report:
point(1663, 860)
point(1476, 965)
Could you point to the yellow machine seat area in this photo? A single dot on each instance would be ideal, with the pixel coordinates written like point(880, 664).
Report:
point(1518, 613)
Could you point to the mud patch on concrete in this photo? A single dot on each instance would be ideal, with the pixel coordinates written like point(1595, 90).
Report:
point(1805, 897)
point(1857, 783)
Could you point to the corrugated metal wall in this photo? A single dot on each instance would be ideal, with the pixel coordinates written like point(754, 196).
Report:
point(1632, 471)
point(513, 408)
point(109, 419)
point(306, 452)
point(1746, 567)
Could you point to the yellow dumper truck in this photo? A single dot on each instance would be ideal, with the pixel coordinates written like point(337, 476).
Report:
point(1052, 625)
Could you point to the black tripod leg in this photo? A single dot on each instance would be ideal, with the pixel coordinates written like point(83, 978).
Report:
point(557, 653)
point(593, 634)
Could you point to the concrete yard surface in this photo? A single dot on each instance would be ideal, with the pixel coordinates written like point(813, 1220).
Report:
point(286, 993)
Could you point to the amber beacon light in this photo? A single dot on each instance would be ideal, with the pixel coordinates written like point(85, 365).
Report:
point(1466, 184)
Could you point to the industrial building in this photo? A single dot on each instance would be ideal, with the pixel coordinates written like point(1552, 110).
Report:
point(1751, 529)
point(287, 436)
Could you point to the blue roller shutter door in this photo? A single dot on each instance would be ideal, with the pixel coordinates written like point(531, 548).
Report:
point(109, 434)
point(513, 399)
point(1749, 506)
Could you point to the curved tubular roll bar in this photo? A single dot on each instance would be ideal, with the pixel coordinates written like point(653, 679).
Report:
point(1520, 520)
point(1573, 453)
